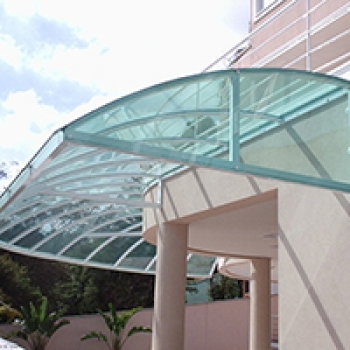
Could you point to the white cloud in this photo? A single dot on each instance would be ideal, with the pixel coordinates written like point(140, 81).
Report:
point(131, 44)
point(20, 8)
point(10, 53)
point(27, 123)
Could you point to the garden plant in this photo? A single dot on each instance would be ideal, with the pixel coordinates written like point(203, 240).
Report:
point(37, 325)
point(116, 323)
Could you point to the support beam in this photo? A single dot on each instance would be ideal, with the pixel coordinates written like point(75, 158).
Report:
point(260, 305)
point(169, 302)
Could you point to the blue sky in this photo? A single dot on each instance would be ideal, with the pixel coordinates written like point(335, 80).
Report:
point(59, 60)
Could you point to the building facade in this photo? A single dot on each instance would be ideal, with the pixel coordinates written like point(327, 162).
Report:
point(311, 35)
point(250, 164)
point(304, 35)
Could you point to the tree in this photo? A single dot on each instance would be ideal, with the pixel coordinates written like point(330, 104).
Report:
point(222, 287)
point(16, 287)
point(116, 324)
point(124, 290)
point(44, 275)
point(77, 292)
point(37, 325)
point(73, 289)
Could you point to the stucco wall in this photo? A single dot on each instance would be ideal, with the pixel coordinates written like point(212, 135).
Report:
point(313, 247)
point(283, 43)
point(219, 325)
point(314, 280)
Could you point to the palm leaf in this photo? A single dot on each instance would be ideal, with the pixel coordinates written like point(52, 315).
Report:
point(116, 323)
point(37, 326)
point(57, 326)
point(94, 335)
point(41, 313)
point(17, 334)
point(108, 320)
point(138, 329)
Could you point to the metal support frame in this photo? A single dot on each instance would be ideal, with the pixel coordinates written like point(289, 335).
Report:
point(234, 120)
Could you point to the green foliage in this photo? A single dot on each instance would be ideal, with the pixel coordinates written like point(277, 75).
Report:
point(44, 274)
point(16, 286)
point(124, 290)
point(71, 289)
point(116, 323)
point(77, 292)
point(8, 313)
point(37, 325)
point(222, 287)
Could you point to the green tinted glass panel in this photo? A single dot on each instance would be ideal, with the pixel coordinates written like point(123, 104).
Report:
point(84, 247)
point(200, 265)
point(140, 257)
point(110, 253)
point(81, 197)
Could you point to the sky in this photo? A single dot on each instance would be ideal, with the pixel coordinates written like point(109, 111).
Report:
point(60, 59)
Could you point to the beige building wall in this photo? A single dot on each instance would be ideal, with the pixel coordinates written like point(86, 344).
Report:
point(314, 281)
point(314, 240)
point(313, 245)
point(304, 34)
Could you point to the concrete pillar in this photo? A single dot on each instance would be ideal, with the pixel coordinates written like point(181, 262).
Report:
point(260, 305)
point(169, 305)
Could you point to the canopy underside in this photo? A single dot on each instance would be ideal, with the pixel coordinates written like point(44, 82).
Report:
point(80, 199)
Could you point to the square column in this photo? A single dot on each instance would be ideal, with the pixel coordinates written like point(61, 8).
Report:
point(260, 304)
point(169, 302)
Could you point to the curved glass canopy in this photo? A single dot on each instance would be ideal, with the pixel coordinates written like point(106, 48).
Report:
point(80, 198)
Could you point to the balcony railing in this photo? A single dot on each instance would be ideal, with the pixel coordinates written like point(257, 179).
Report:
point(274, 329)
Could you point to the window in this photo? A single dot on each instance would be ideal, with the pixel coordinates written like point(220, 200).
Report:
point(261, 5)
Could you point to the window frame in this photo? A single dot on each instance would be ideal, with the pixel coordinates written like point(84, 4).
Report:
point(263, 9)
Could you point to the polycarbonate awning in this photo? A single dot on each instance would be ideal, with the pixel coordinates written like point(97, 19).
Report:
point(80, 199)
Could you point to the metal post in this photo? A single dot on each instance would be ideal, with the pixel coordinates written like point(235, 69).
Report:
point(234, 120)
